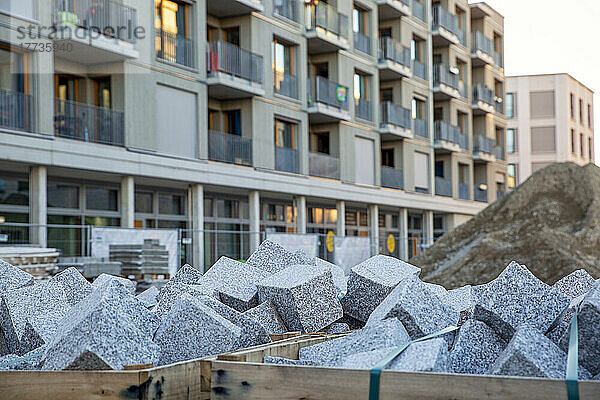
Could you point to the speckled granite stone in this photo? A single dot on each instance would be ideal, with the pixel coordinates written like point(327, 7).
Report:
point(475, 349)
point(340, 280)
point(103, 279)
point(575, 284)
point(268, 317)
point(75, 285)
point(185, 275)
point(286, 361)
point(12, 277)
point(27, 362)
point(338, 327)
point(148, 297)
point(272, 257)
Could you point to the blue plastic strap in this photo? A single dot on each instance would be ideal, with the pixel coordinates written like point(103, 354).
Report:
point(573, 361)
point(375, 376)
point(21, 359)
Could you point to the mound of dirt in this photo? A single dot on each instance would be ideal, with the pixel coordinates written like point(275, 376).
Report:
point(550, 223)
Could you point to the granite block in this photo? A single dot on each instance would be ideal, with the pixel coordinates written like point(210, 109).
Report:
point(475, 349)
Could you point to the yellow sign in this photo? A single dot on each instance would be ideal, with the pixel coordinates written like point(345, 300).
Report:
point(391, 243)
point(330, 236)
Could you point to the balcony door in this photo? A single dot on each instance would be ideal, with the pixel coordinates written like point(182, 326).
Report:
point(103, 100)
point(171, 20)
point(67, 119)
point(15, 104)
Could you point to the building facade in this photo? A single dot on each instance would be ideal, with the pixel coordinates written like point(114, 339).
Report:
point(549, 119)
point(379, 118)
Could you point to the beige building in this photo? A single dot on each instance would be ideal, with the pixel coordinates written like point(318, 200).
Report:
point(549, 119)
point(379, 118)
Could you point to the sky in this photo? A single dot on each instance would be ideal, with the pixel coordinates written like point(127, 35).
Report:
point(553, 36)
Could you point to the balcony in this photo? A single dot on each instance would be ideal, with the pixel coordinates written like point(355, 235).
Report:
point(445, 83)
point(445, 30)
point(392, 178)
point(88, 123)
point(285, 85)
point(395, 122)
point(325, 28)
point(175, 49)
point(16, 111)
point(362, 43)
point(232, 8)
point(323, 165)
point(418, 10)
point(419, 70)
point(481, 195)
point(443, 187)
point(393, 9)
point(233, 73)
point(393, 60)
point(463, 191)
point(483, 100)
point(448, 138)
point(289, 9)
point(286, 160)
point(483, 149)
point(482, 52)
point(363, 109)
point(420, 128)
point(327, 101)
point(75, 21)
point(499, 153)
point(229, 148)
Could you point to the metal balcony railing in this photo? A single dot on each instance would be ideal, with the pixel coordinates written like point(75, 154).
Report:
point(392, 178)
point(393, 114)
point(418, 10)
point(362, 42)
point(288, 9)
point(85, 122)
point(229, 148)
point(420, 128)
point(481, 195)
point(443, 19)
point(482, 43)
point(443, 187)
point(286, 160)
point(499, 153)
point(463, 191)
point(285, 85)
point(419, 69)
point(175, 48)
point(450, 133)
point(484, 144)
point(391, 50)
point(498, 59)
point(363, 109)
point(227, 58)
point(326, 17)
point(322, 90)
point(323, 165)
point(112, 18)
point(481, 93)
point(16, 110)
point(442, 75)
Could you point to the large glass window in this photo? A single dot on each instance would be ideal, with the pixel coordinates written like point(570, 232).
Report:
point(97, 198)
point(285, 134)
point(360, 86)
point(143, 202)
point(171, 204)
point(12, 72)
point(511, 141)
point(171, 20)
point(63, 196)
point(418, 109)
point(14, 191)
point(512, 176)
point(510, 105)
point(283, 61)
point(319, 142)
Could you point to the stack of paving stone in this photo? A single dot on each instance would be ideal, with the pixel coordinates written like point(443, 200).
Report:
point(150, 258)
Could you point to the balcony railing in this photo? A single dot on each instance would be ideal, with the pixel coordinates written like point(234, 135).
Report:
point(450, 133)
point(288, 9)
point(499, 106)
point(229, 148)
point(442, 75)
point(286, 160)
point(286, 85)
point(322, 90)
point(499, 153)
point(393, 114)
point(420, 128)
point(463, 191)
point(481, 195)
point(443, 187)
point(85, 122)
point(326, 17)
point(363, 109)
point(418, 10)
point(392, 178)
point(481, 93)
point(227, 58)
point(393, 51)
point(120, 19)
point(323, 165)
point(484, 144)
point(443, 19)
point(175, 48)
point(498, 59)
point(419, 69)
point(362, 42)
point(16, 110)
point(482, 43)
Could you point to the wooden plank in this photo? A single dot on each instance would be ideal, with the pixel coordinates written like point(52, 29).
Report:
point(181, 381)
point(249, 381)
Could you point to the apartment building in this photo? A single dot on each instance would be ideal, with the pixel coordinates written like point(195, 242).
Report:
point(379, 118)
point(549, 119)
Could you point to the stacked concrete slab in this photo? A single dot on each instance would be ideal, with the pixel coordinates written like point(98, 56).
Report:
point(149, 258)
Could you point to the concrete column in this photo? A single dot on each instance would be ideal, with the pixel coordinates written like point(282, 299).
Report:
point(38, 200)
point(340, 228)
point(428, 227)
point(127, 202)
point(403, 252)
point(374, 228)
point(301, 217)
point(198, 226)
point(254, 205)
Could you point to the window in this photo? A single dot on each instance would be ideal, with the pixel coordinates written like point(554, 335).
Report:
point(543, 139)
point(283, 64)
point(463, 174)
point(387, 158)
point(462, 74)
point(319, 142)
point(359, 21)
point(418, 109)
point(171, 20)
point(581, 111)
point(364, 155)
point(103, 92)
point(542, 104)
point(510, 105)
point(512, 176)
point(439, 169)
point(590, 150)
point(63, 196)
point(573, 141)
point(417, 49)
point(438, 114)
point(233, 122)
point(462, 122)
point(171, 204)
point(14, 191)
point(589, 115)
point(572, 105)
point(421, 169)
point(285, 134)
point(98, 198)
point(361, 90)
point(387, 95)
point(511, 141)
point(143, 202)
point(500, 137)
point(461, 16)
point(581, 145)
